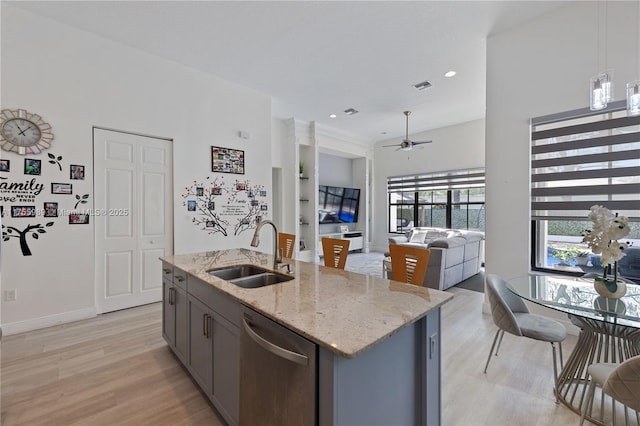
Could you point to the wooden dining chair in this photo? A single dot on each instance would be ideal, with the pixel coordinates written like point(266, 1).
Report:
point(409, 264)
point(335, 252)
point(286, 242)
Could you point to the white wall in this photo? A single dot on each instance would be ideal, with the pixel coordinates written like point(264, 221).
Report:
point(460, 146)
point(540, 68)
point(335, 171)
point(76, 80)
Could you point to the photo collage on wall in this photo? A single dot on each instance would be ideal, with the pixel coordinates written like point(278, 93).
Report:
point(224, 207)
point(26, 197)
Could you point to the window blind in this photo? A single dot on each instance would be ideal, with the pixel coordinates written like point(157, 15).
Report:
point(581, 158)
point(454, 179)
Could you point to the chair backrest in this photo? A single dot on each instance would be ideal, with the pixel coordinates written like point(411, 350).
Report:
point(286, 242)
point(335, 252)
point(409, 264)
point(623, 383)
point(504, 304)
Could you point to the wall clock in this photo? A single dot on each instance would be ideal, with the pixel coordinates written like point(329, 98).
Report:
point(23, 132)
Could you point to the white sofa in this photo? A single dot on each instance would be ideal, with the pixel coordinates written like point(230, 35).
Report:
point(456, 254)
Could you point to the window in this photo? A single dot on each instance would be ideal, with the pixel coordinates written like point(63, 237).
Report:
point(578, 159)
point(453, 199)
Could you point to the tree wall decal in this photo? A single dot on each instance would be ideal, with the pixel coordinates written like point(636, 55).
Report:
point(33, 230)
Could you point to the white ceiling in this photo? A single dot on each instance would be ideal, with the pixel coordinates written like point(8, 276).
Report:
point(320, 57)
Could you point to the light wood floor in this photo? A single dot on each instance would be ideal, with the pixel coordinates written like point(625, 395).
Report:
point(117, 370)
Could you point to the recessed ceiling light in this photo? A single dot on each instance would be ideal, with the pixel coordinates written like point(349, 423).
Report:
point(351, 111)
point(450, 73)
point(383, 133)
point(423, 85)
point(332, 116)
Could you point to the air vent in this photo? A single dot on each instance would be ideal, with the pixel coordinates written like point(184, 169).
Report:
point(423, 85)
point(351, 111)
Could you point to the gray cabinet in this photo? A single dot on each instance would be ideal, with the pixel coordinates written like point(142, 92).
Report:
point(226, 368)
point(199, 360)
point(174, 312)
point(214, 347)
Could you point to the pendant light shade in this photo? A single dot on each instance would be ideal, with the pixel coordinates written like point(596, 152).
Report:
point(601, 90)
point(633, 98)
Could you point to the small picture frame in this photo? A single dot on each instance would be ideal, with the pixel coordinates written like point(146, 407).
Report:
point(76, 172)
point(344, 228)
point(227, 160)
point(303, 246)
point(32, 166)
point(5, 165)
point(199, 191)
point(50, 209)
point(61, 188)
point(191, 205)
point(23, 211)
point(78, 219)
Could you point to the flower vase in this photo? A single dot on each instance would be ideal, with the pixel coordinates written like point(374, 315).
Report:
point(606, 288)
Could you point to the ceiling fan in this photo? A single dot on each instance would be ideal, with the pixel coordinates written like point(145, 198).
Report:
point(407, 144)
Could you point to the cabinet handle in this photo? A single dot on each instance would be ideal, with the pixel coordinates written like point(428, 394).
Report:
point(171, 290)
point(166, 270)
point(179, 278)
point(209, 326)
point(204, 324)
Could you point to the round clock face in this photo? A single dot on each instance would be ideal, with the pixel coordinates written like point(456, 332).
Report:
point(23, 132)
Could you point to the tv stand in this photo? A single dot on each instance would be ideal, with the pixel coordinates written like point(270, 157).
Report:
point(356, 239)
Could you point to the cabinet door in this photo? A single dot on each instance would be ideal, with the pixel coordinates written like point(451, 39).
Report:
point(226, 368)
point(181, 322)
point(199, 358)
point(168, 313)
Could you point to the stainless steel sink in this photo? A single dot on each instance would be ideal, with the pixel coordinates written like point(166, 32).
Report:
point(261, 280)
point(229, 273)
point(249, 276)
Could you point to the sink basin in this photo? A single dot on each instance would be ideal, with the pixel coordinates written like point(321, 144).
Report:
point(261, 280)
point(229, 273)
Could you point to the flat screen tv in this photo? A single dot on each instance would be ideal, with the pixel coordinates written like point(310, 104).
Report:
point(337, 204)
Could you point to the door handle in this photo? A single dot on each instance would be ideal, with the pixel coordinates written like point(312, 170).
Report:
point(274, 349)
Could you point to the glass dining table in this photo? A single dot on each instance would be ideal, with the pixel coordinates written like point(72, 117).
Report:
point(609, 328)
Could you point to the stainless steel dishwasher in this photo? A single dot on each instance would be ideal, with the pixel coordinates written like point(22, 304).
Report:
point(277, 374)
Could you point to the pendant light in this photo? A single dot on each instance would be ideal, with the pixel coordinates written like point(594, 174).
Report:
point(601, 86)
point(633, 88)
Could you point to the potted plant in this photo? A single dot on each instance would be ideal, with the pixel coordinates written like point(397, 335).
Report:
point(565, 256)
point(582, 258)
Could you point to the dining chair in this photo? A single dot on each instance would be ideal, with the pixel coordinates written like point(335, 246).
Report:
point(286, 243)
point(335, 252)
point(620, 381)
point(510, 314)
point(409, 264)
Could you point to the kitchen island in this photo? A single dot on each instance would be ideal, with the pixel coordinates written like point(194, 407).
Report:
point(375, 355)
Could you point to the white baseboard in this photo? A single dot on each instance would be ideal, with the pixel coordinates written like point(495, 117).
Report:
point(48, 321)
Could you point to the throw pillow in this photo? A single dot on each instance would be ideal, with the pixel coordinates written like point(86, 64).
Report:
point(418, 236)
point(434, 235)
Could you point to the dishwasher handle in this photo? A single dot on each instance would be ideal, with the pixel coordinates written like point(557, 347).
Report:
point(274, 349)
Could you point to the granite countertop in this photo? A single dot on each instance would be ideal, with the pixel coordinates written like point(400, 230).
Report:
point(344, 311)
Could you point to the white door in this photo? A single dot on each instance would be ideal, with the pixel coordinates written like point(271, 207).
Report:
point(133, 217)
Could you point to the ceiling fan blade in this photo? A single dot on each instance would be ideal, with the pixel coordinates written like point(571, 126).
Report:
point(385, 146)
point(421, 142)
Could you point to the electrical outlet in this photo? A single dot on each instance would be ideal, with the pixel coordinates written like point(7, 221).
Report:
point(10, 295)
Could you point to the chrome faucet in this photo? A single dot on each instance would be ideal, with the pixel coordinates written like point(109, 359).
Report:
point(255, 241)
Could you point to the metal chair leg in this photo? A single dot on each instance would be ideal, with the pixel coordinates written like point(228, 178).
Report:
point(495, 339)
point(500, 342)
point(555, 369)
point(588, 404)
